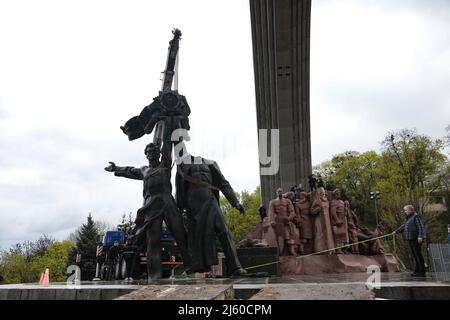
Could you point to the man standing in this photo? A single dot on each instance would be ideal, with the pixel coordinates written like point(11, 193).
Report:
point(130, 255)
point(338, 220)
point(281, 216)
point(159, 204)
point(414, 232)
point(198, 183)
point(305, 223)
point(262, 212)
point(323, 232)
point(111, 258)
point(352, 227)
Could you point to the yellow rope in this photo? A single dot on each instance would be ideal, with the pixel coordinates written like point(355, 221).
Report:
point(323, 251)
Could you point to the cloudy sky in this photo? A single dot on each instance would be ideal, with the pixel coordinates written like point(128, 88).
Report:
point(72, 72)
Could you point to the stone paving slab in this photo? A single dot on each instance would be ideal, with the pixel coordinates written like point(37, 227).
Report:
point(345, 286)
point(311, 291)
point(181, 292)
point(61, 291)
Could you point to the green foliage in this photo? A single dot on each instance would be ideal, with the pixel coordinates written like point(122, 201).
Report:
point(410, 161)
point(355, 174)
point(410, 172)
point(86, 244)
point(15, 268)
point(127, 224)
point(241, 224)
point(325, 170)
point(410, 169)
point(55, 259)
point(32, 249)
point(21, 267)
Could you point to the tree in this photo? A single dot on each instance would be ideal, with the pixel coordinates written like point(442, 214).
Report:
point(55, 259)
point(127, 224)
point(439, 191)
point(413, 159)
point(22, 267)
point(16, 264)
point(31, 249)
point(102, 227)
point(409, 173)
point(86, 244)
point(15, 268)
point(410, 170)
point(355, 175)
point(325, 170)
point(241, 224)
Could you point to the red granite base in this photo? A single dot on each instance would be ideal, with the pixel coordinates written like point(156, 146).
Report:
point(336, 263)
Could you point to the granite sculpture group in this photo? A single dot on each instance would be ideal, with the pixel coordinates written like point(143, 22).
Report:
point(318, 222)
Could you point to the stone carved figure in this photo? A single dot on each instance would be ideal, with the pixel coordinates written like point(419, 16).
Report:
point(159, 205)
point(352, 226)
point(268, 233)
point(293, 225)
point(371, 247)
point(323, 234)
point(319, 224)
point(305, 223)
point(338, 220)
point(377, 247)
point(198, 184)
point(281, 216)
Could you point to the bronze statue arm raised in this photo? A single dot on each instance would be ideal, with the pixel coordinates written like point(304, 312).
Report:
point(127, 172)
point(167, 143)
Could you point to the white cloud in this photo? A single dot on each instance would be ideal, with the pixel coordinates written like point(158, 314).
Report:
point(377, 66)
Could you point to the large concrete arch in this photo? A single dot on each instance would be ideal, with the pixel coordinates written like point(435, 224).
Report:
point(281, 50)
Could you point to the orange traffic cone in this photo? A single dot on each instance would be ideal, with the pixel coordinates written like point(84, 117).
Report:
point(46, 281)
point(41, 280)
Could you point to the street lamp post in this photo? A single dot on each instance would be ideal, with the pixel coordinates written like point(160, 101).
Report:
point(375, 196)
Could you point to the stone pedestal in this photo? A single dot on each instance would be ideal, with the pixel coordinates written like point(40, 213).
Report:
point(265, 258)
point(336, 263)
